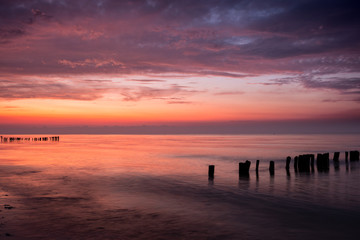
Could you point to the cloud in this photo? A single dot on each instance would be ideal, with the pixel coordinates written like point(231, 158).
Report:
point(179, 102)
point(147, 81)
point(97, 63)
point(229, 39)
point(48, 89)
point(281, 81)
point(7, 34)
point(345, 85)
point(229, 93)
point(16, 17)
point(140, 93)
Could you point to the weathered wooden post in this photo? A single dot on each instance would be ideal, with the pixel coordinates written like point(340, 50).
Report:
point(244, 168)
point(326, 161)
point(272, 168)
point(319, 161)
point(336, 160)
point(211, 171)
point(257, 166)
point(312, 160)
point(301, 163)
point(354, 156)
point(288, 160)
point(322, 162)
point(308, 159)
point(296, 163)
point(346, 156)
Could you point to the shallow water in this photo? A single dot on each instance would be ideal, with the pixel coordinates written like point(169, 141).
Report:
point(156, 187)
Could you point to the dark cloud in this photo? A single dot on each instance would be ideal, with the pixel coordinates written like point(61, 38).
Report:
point(7, 34)
point(16, 16)
point(225, 38)
point(346, 85)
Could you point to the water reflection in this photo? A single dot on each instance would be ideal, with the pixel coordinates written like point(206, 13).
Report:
point(137, 187)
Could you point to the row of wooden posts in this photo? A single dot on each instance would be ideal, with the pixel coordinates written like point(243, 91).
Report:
point(19, 139)
point(302, 163)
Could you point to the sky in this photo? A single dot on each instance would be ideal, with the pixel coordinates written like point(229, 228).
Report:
point(222, 64)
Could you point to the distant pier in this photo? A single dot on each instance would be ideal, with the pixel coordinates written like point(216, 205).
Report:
point(8, 139)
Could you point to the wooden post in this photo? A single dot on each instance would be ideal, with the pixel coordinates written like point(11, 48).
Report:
point(307, 163)
point(296, 163)
point(336, 160)
point(312, 160)
point(211, 171)
point(322, 162)
point(301, 160)
point(244, 168)
point(257, 165)
point(288, 160)
point(354, 156)
point(326, 161)
point(319, 161)
point(272, 168)
point(346, 156)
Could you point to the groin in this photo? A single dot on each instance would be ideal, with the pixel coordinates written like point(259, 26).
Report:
point(9, 139)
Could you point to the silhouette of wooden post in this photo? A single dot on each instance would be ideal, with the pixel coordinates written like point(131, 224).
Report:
point(296, 163)
point(319, 161)
point(346, 156)
point(336, 160)
point(354, 156)
point(288, 160)
point(244, 168)
point(301, 160)
point(307, 163)
point(257, 165)
point(326, 161)
point(312, 160)
point(322, 162)
point(272, 168)
point(211, 171)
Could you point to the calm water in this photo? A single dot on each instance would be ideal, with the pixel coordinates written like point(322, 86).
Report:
point(156, 187)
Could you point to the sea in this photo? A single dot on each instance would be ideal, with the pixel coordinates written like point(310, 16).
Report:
point(157, 187)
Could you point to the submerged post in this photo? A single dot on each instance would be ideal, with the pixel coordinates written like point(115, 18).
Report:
point(211, 171)
point(257, 165)
point(336, 160)
point(288, 160)
point(327, 161)
point(304, 163)
point(346, 156)
point(244, 168)
point(322, 162)
point(272, 168)
point(354, 156)
point(296, 163)
point(312, 160)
